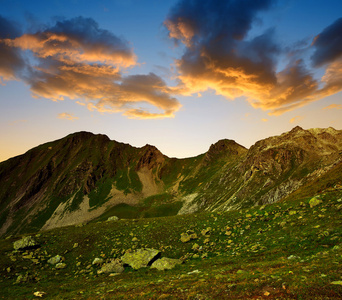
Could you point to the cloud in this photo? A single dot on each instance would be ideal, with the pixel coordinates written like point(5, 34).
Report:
point(11, 61)
point(333, 106)
point(77, 59)
point(220, 55)
point(328, 44)
point(264, 120)
point(67, 116)
point(296, 119)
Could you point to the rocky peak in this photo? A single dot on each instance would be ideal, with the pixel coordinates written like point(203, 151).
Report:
point(150, 157)
point(224, 147)
point(80, 137)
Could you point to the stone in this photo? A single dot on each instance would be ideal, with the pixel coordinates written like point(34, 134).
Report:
point(114, 266)
point(314, 202)
point(55, 260)
point(165, 263)
point(39, 294)
point(188, 236)
point(195, 247)
point(206, 232)
point(113, 218)
point(140, 258)
point(97, 261)
point(60, 266)
point(293, 257)
point(25, 243)
point(75, 245)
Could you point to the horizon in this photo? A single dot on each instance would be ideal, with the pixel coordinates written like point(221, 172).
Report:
point(247, 148)
point(178, 75)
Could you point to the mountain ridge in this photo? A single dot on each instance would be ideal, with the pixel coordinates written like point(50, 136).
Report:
point(84, 175)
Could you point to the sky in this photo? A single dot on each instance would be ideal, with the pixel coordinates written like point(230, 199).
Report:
point(179, 75)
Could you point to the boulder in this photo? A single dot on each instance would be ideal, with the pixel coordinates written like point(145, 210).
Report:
point(55, 260)
point(140, 258)
point(60, 266)
point(114, 266)
point(314, 202)
point(25, 243)
point(165, 263)
point(97, 261)
point(206, 232)
point(188, 236)
point(113, 218)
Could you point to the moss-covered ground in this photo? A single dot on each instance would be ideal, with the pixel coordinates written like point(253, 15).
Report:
point(287, 250)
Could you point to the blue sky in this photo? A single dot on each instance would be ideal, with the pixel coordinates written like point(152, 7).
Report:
point(179, 75)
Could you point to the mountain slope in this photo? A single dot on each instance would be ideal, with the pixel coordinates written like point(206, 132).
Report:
point(85, 176)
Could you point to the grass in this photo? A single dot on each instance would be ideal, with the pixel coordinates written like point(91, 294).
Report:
point(285, 250)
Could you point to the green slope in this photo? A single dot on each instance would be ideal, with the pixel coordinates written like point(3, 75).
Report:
point(287, 250)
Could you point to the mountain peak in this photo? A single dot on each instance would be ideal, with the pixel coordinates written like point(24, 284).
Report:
point(224, 146)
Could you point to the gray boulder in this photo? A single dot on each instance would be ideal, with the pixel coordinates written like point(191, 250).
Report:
point(61, 266)
point(188, 236)
point(165, 263)
point(114, 266)
point(25, 243)
point(55, 260)
point(97, 261)
point(140, 258)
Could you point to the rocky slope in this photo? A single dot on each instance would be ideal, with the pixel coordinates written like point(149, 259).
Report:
point(85, 176)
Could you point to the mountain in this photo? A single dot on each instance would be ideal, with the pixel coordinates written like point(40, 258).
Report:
point(85, 177)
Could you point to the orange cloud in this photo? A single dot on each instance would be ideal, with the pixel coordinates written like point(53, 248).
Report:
point(219, 56)
point(333, 106)
point(67, 116)
point(67, 49)
point(80, 61)
point(296, 119)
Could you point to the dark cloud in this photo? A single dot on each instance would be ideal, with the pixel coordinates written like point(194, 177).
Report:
point(220, 55)
point(11, 61)
point(328, 44)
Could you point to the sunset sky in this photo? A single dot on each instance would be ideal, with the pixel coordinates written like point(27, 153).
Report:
point(179, 75)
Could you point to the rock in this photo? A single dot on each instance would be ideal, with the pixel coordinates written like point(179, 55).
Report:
point(293, 257)
point(140, 258)
point(75, 245)
point(113, 218)
point(194, 272)
point(188, 236)
point(39, 294)
point(97, 261)
point(206, 232)
point(165, 263)
point(25, 243)
point(114, 266)
point(54, 260)
point(314, 202)
point(195, 247)
point(60, 266)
